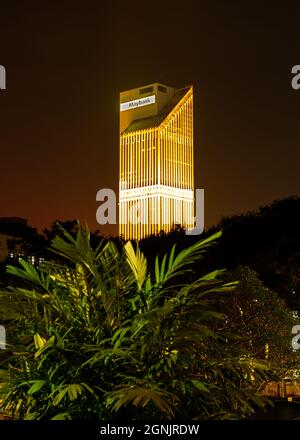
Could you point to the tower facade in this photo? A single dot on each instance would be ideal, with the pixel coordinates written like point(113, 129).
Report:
point(156, 181)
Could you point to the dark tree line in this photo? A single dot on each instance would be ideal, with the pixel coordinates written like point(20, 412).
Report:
point(267, 241)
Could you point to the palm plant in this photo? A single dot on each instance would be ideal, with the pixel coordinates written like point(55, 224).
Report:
point(98, 335)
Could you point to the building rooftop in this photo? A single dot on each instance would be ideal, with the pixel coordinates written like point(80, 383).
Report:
point(155, 121)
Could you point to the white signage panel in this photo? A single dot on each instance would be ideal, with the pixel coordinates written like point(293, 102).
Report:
point(137, 103)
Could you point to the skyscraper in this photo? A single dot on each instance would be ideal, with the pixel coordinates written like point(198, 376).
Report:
point(156, 186)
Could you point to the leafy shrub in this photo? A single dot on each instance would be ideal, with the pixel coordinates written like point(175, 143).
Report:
point(102, 337)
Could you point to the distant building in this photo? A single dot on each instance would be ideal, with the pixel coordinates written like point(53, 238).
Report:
point(4, 247)
point(156, 180)
point(10, 228)
point(16, 240)
point(9, 221)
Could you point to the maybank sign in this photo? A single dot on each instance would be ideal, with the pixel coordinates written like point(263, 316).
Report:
point(137, 103)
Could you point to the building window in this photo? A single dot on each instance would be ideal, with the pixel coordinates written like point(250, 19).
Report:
point(162, 89)
point(146, 90)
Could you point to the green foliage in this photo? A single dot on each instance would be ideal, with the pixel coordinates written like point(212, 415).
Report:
point(102, 337)
point(261, 318)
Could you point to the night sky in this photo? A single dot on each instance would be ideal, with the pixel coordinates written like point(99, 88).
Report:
point(67, 62)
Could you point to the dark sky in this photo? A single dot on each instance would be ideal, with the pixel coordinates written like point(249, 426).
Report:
point(67, 61)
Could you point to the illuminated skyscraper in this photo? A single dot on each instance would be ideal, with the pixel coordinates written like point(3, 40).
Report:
point(156, 160)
